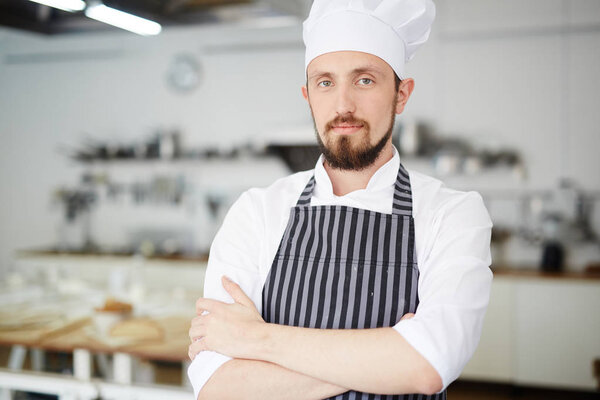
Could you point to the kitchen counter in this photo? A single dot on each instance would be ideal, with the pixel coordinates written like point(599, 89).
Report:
point(592, 273)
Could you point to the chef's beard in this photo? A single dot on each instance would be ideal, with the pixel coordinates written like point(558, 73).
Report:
point(340, 153)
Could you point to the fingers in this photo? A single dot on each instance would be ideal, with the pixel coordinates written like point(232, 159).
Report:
point(195, 348)
point(210, 305)
point(204, 305)
point(197, 329)
point(236, 292)
point(407, 316)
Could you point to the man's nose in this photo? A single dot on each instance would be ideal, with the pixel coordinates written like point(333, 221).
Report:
point(345, 102)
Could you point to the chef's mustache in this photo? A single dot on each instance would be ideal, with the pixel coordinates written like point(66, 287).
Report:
point(346, 119)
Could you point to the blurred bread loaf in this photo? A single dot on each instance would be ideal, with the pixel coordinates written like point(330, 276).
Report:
point(138, 329)
point(113, 305)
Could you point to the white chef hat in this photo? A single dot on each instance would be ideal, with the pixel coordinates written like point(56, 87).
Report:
point(392, 30)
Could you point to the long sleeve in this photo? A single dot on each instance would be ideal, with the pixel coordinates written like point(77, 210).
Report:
point(234, 253)
point(454, 286)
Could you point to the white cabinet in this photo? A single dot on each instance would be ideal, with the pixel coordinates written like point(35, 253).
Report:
point(557, 332)
point(539, 332)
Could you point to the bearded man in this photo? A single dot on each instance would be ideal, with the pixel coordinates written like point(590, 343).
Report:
point(358, 279)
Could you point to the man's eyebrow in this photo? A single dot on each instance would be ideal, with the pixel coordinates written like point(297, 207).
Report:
point(367, 69)
point(318, 74)
point(357, 71)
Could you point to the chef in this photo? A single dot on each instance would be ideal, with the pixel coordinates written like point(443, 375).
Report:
point(360, 278)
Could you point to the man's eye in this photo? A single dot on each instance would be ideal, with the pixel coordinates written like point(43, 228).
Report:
point(365, 81)
point(324, 83)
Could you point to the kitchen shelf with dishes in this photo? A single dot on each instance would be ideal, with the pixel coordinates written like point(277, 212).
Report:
point(170, 199)
point(166, 147)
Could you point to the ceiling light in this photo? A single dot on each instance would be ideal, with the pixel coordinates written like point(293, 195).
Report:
point(123, 20)
point(65, 5)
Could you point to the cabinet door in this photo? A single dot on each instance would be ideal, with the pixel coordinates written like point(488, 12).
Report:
point(493, 358)
point(557, 332)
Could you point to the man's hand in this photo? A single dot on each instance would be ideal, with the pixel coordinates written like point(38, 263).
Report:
point(407, 316)
point(229, 329)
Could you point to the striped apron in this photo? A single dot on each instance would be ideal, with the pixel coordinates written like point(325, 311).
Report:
point(340, 267)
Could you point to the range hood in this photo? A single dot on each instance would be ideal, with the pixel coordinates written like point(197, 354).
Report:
point(34, 17)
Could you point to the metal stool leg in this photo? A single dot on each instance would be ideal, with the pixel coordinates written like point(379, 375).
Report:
point(123, 368)
point(17, 357)
point(104, 366)
point(82, 364)
point(38, 359)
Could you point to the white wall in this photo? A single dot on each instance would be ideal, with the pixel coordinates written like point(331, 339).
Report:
point(525, 71)
point(113, 86)
point(519, 73)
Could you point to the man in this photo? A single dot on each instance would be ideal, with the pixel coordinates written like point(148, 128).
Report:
point(359, 278)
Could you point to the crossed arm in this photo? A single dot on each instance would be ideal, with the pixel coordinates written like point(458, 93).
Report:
point(251, 379)
point(271, 360)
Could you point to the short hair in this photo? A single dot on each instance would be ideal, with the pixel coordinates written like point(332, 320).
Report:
point(398, 81)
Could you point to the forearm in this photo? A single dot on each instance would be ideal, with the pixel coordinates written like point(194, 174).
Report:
point(367, 360)
point(250, 379)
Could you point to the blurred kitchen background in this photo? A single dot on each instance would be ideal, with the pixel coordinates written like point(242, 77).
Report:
point(122, 152)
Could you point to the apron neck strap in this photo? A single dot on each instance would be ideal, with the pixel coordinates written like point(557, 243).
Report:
point(402, 202)
point(304, 199)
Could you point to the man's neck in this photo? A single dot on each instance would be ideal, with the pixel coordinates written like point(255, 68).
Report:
point(346, 181)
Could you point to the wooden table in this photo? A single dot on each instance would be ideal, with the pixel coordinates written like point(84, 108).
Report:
point(173, 346)
point(76, 338)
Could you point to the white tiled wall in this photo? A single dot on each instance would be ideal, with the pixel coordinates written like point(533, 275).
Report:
point(583, 115)
point(583, 12)
point(424, 102)
point(517, 74)
point(506, 91)
point(480, 16)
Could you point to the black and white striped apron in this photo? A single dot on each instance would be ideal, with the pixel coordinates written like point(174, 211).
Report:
point(340, 267)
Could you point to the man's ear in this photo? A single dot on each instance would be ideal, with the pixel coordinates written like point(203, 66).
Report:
point(404, 91)
point(305, 92)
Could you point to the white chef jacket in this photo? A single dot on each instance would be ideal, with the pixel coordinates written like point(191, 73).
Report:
point(452, 242)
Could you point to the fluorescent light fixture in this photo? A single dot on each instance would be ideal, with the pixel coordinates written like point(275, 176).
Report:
point(123, 20)
point(65, 5)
